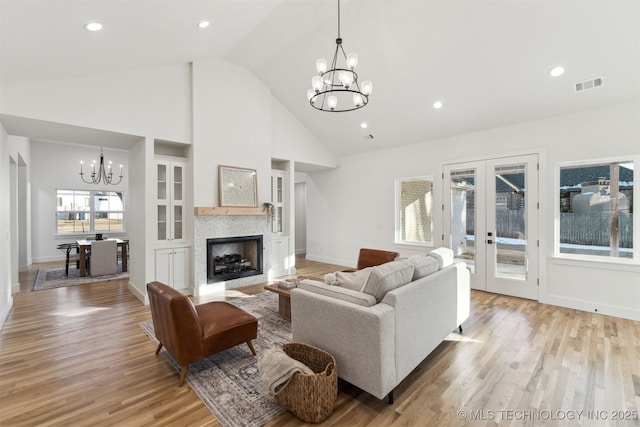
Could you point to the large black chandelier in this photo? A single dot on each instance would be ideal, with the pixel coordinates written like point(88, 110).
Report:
point(337, 89)
point(100, 173)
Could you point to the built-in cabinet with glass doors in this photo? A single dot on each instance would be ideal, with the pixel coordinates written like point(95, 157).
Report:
point(172, 256)
point(277, 199)
point(280, 262)
point(170, 201)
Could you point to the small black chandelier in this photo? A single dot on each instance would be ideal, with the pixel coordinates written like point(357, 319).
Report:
point(336, 89)
point(103, 174)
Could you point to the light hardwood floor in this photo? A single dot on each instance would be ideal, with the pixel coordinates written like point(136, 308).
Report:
point(76, 356)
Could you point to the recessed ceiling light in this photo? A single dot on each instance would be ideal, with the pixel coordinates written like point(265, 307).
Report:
point(437, 105)
point(556, 71)
point(364, 125)
point(203, 24)
point(93, 26)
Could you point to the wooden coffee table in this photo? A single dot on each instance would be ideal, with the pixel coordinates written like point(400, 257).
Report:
point(284, 300)
point(284, 296)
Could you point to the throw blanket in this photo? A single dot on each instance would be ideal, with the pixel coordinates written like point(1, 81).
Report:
point(355, 280)
point(277, 368)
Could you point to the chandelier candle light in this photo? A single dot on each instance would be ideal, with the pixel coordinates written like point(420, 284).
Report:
point(332, 88)
point(104, 174)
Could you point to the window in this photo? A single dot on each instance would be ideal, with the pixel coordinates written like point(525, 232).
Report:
point(595, 210)
point(414, 211)
point(81, 211)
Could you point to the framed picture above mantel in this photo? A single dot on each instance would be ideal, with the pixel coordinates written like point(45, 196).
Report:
point(237, 187)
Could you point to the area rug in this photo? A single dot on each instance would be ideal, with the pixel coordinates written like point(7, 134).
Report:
point(229, 383)
point(49, 278)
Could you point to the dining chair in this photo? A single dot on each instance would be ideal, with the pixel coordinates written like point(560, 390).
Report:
point(103, 258)
point(126, 243)
point(72, 255)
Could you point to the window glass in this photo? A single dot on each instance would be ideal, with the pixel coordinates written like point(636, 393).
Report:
point(414, 215)
point(596, 209)
point(81, 201)
point(89, 211)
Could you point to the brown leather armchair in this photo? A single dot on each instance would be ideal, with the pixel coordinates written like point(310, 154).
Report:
point(373, 257)
point(191, 332)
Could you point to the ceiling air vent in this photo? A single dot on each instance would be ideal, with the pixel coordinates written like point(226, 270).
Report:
point(589, 84)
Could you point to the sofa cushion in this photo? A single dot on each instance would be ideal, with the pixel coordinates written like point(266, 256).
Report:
point(350, 280)
point(423, 265)
point(386, 277)
point(337, 292)
point(443, 255)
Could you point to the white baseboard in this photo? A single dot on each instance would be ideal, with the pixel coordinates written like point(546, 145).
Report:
point(5, 311)
point(594, 307)
point(61, 258)
point(329, 261)
point(144, 299)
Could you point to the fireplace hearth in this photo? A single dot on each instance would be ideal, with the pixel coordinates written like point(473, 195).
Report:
point(231, 258)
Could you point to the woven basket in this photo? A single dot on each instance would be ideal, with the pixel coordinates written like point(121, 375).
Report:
point(310, 397)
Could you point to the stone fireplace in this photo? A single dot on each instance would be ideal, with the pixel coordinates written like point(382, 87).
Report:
point(218, 226)
point(230, 258)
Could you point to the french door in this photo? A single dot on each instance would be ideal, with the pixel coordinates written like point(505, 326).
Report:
point(491, 222)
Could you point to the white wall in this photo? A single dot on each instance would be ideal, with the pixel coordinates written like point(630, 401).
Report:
point(229, 118)
point(24, 212)
point(140, 208)
point(20, 153)
point(15, 158)
point(300, 212)
point(293, 141)
point(294, 144)
point(231, 126)
point(353, 206)
point(57, 166)
point(153, 101)
point(6, 301)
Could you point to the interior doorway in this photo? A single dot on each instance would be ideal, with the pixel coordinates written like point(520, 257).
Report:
point(491, 222)
point(23, 218)
point(300, 201)
point(14, 216)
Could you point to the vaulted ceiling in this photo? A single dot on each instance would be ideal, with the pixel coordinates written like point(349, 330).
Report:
point(488, 62)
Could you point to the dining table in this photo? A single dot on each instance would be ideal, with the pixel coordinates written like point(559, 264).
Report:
point(85, 245)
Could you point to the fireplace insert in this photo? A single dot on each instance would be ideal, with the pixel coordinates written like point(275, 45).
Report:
point(231, 258)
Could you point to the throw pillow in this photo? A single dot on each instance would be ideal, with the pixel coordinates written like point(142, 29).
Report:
point(386, 277)
point(423, 266)
point(331, 279)
point(349, 280)
point(443, 255)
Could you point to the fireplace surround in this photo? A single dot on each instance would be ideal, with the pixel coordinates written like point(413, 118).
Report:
point(230, 258)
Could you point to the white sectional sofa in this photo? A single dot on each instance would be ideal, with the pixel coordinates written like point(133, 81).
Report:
point(380, 333)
